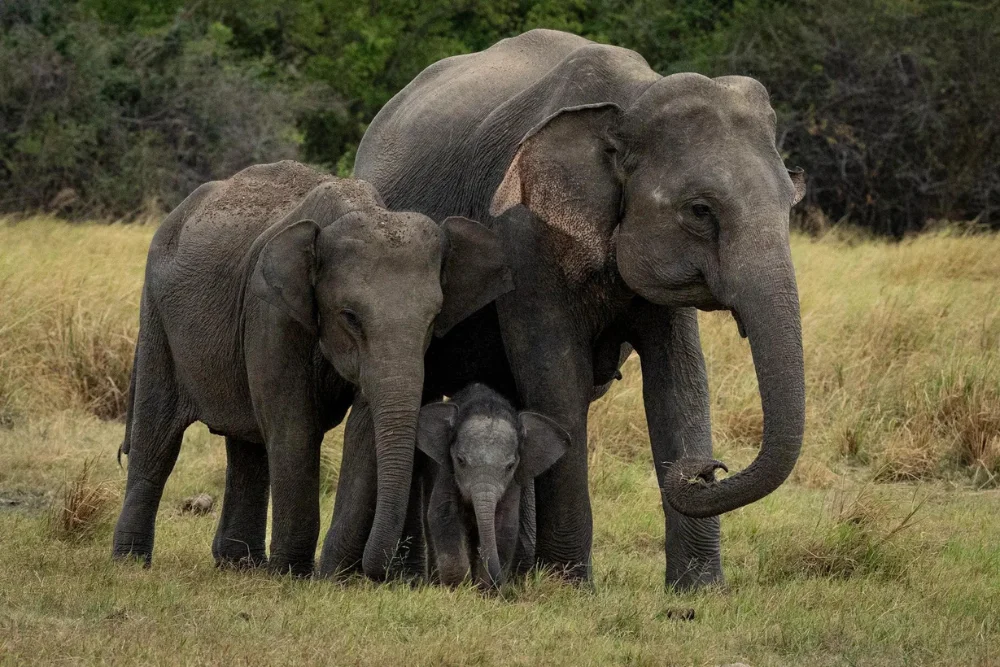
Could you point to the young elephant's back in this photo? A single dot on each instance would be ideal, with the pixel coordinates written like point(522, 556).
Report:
point(197, 268)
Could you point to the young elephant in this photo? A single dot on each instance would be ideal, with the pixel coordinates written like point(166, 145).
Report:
point(270, 299)
point(485, 460)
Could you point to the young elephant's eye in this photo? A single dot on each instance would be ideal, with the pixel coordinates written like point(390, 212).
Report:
point(351, 319)
point(702, 211)
point(459, 459)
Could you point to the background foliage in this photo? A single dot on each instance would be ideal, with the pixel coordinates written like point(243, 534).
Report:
point(121, 107)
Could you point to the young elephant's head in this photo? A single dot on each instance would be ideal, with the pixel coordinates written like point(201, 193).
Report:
point(486, 446)
point(373, 286)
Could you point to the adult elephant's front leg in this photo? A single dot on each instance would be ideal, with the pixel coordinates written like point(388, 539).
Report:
point(551, 360)
point(675, 394)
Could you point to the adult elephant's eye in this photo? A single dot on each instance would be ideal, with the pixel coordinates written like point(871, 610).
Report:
point(351, 319)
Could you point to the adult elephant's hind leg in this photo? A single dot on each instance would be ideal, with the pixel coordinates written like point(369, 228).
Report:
point(159, 419)
point(239, 540)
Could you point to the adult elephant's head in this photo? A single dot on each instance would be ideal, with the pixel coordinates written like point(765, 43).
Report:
point(688, 191)
point(373, 286)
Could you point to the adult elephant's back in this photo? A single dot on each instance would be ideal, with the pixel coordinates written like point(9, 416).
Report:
point(441, 145)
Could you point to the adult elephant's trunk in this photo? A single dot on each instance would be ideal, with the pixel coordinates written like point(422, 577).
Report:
point(484, 503)
point(393, 389)
point(766, 302)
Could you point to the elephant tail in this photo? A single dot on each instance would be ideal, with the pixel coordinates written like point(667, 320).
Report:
point(129, 409)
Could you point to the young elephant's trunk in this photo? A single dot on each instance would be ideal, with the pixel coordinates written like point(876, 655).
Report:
point(393, 392)
point(484, 502)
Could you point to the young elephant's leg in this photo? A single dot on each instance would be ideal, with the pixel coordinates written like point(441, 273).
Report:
point(354, 507)
point(239, 540)
point(293, 466)
point(158, 420)
point(449, 534)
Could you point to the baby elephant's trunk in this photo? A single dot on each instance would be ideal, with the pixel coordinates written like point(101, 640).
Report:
point(484, 502)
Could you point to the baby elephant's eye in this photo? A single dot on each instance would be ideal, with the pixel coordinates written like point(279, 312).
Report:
point(351, 319)
point(510, 466)
point(459, 459)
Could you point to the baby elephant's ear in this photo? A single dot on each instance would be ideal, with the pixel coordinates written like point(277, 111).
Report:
point(434, 430)
point(543, 442)
point(284, 272)
point(475, 271)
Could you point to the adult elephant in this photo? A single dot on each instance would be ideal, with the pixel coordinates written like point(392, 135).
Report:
point(626, 200)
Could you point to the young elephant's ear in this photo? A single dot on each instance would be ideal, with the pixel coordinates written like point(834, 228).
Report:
point(434, 430)
point(284, 273)
point(475, 271)
point(543, 442)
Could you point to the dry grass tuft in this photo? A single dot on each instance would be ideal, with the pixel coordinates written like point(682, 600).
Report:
point(8, 390)
point(93, 353)
point(86, 506)
point(971, 412)
point(861, 536)
point(813, 474)
point(907, 456)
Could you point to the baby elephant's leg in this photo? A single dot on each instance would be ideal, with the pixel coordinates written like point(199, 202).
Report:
point(448, 534)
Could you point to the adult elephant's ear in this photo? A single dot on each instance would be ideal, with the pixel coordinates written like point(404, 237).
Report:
point(475, 271)
point(567, 172)
point(435, 429)
point(285, 271)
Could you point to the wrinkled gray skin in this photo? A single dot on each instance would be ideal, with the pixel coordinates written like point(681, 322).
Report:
point(273, 300)
point(626, 199)
point(484, 460)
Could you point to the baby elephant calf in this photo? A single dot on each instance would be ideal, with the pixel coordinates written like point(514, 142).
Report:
point(485, 459)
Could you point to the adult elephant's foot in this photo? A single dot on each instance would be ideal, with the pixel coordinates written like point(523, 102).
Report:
point(694, 552)
point(693, 575)
point(133, 547)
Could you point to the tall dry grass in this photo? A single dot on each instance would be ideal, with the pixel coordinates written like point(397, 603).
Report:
point(69, 298)
point(902, 345)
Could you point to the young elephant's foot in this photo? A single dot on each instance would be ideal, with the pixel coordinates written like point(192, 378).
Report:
point(281, 564)
point(238, 554)
point(133, 547)
point(244, 561)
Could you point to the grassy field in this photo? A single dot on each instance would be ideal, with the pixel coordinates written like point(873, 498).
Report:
point(884, 548)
